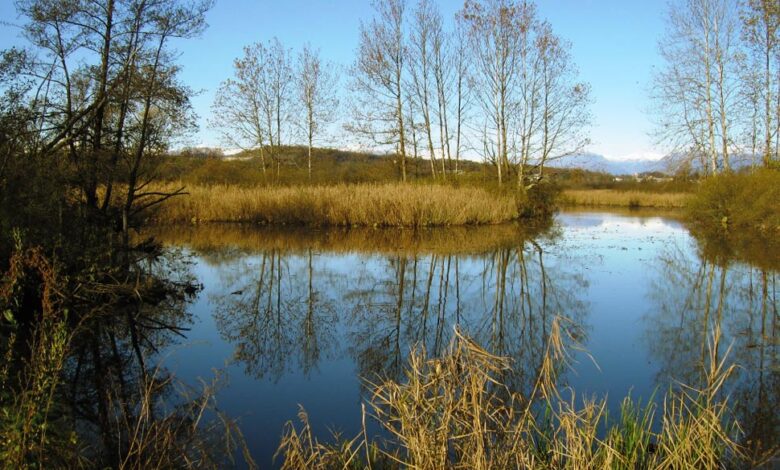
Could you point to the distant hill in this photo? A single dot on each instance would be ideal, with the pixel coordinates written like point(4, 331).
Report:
point(587, 161)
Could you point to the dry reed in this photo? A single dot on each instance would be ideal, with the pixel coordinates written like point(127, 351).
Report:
point(455, 412)
point(341, 205)
point(614, 198)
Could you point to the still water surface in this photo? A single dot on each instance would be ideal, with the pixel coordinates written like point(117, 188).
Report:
point(298, 317)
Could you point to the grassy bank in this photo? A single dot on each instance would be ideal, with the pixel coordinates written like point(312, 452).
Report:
point(396, 205)
point(617, 198)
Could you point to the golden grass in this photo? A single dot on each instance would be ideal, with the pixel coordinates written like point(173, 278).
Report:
point(396, 205)
point(455, 412)
point(391, 240)
point(614, 198)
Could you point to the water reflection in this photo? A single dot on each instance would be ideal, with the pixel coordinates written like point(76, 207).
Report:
point(273, 315)
point(292, 299)
point(122, 401)
point(306, 315)
point(726, 288)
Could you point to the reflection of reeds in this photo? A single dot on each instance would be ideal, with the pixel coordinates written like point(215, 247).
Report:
point(615, 198)
point(451, 240)
point(454, 412)
point(341, 205)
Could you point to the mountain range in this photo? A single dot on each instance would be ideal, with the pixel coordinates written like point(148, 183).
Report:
point(667, 164)
point(596, 162)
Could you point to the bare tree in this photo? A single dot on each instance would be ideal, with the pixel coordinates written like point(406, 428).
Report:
point(563, 104)
point(251, 108)
point(533, 107)
point(425, 26)
point(461, 85)
point(240, 106)
point(280, 83)
point(442, 74)
point(493, 28)
point(316, 85)
point(378, 79)
point(697, 90)
point(761, 30)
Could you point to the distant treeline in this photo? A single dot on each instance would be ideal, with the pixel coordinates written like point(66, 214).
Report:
point(332, 166)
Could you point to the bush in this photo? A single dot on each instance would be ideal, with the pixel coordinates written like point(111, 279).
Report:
point(540, 201)
point(739, 202)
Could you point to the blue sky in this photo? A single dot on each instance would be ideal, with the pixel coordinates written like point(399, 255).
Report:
point(614, 45)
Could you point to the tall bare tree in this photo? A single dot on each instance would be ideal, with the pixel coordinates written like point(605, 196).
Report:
point(316, 84)
point(697, 89)
point(378, 79)
point(441, 43)
point(494, 28)
point(425, 26)
point(563, 107)
point(761, 30)
point(533, 107)
point(461, 86)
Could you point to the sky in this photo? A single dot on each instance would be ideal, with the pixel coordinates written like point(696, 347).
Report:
point(614, 44)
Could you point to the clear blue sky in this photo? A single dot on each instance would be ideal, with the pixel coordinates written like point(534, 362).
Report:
point(614, 45)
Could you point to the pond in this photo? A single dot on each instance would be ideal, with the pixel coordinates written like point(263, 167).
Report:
point(303, 317)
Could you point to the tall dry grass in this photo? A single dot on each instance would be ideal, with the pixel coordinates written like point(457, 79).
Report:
point(455, 412)
point(615, 198)
point(393, 205)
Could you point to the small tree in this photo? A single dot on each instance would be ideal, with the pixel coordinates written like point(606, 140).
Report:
point(250, 108)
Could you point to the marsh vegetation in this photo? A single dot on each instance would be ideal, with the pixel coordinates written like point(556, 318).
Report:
point(424, 300)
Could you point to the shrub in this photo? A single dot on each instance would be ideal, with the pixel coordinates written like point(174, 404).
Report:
point(539, 201)
point(739, 202)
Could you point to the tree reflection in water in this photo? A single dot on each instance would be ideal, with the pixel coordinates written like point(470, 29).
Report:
point(728, 286)
point(124, 408)
point(285, 309)
point(273, 315)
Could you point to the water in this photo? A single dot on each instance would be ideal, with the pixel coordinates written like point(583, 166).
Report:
point(301, 317)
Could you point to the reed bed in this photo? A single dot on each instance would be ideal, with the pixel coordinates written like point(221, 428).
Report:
point(455, 412)
point(394, 205)
point(615, 198)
